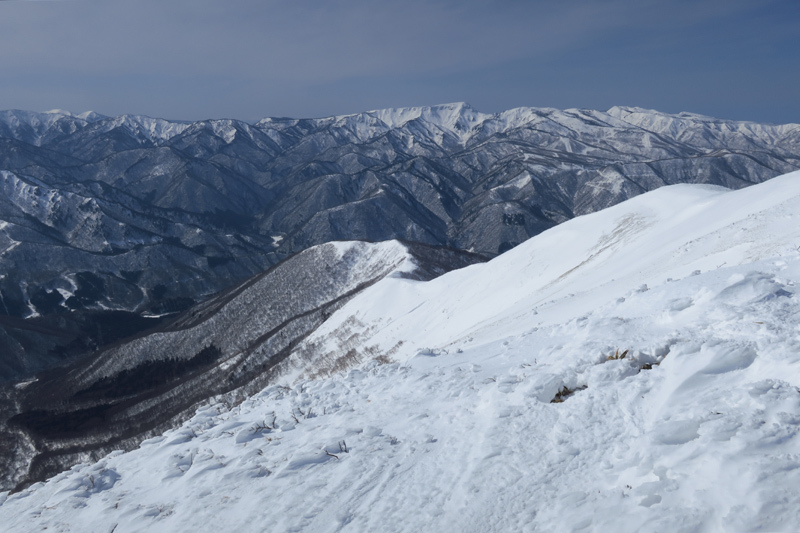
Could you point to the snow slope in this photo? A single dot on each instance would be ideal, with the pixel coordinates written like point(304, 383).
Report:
point(453, 429)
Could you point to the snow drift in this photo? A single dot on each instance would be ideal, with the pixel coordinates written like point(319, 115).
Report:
point(636, 369)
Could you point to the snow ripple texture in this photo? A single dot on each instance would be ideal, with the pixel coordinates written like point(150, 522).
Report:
point(671, 341)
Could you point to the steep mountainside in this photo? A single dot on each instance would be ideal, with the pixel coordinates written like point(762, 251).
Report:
point(148, 215)
point(235, 341)
point(634, 369)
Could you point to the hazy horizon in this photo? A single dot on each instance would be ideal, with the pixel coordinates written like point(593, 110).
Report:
point(248, 59)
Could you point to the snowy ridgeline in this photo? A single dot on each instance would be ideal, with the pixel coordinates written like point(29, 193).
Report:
point(150, 216)
point(632, 370)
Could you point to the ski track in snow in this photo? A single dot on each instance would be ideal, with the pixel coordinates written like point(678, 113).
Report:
point(696, 429)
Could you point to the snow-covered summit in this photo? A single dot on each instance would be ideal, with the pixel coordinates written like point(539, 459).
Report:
point(635, 369)
point(458, 116)
point(154, 129)
point(91, 116)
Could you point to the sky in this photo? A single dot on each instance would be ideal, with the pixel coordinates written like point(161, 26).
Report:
point(249, 59)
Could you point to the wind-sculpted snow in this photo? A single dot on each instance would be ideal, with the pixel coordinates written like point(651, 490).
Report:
point(194, 208)
point(237, 341)
point(636, 369)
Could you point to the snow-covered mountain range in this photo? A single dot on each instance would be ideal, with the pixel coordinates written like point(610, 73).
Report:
point(148, 216)
point(633, 369)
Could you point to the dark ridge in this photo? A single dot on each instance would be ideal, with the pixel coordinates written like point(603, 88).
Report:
point(147, 376)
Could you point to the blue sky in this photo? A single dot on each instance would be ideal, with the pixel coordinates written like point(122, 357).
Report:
point(195, 59)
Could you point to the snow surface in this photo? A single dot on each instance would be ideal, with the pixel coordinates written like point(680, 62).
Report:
point(453, 429)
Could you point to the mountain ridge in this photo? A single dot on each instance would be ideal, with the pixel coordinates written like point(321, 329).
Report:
point(148, 216)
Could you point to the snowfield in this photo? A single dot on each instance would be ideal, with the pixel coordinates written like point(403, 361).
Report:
point(667, 329)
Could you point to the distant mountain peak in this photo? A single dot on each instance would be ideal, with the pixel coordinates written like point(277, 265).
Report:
point(457, 116)
point(91, 116)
